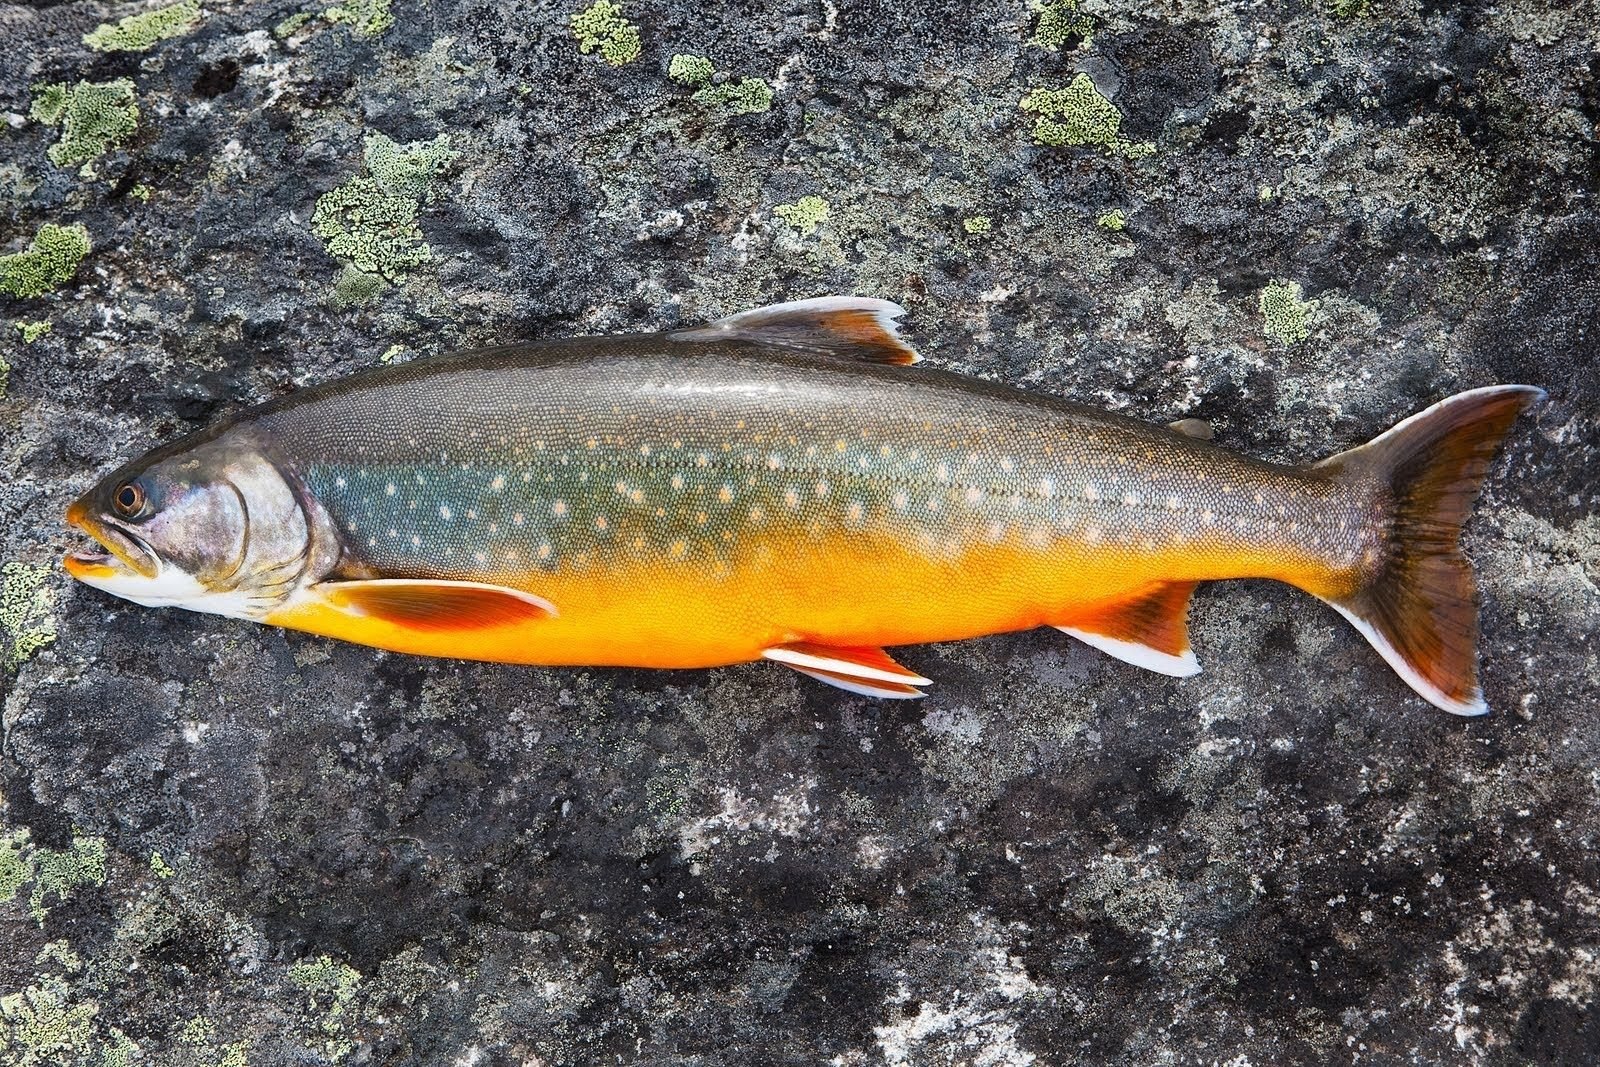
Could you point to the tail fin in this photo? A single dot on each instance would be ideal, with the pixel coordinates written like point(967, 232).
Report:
point(1419, 610)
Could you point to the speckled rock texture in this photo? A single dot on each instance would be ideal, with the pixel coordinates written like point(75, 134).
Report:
point(224, 845)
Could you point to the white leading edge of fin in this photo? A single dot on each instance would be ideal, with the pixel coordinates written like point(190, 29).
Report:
point(1424, 688)
point(1184, 666)
point(862, 688)
point(801, 660)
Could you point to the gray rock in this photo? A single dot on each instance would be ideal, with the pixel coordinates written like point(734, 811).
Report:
point(223, 845)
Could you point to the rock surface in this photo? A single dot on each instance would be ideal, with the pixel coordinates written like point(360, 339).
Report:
point(222, 844)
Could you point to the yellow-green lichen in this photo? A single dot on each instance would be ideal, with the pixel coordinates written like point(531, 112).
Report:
point(42, 1027)
point(141, 193)
point(235, 1055)
point(1348, 9)
point(1265, 193)
point(738, 96)
point(160, 867)
point(94, 118)
point(743, 97)
point(83, 863)
point(352, 288)
point(135, 33)
point(804, 215)
point(52, 258)
point(1113, 220)
point(390, 353)
point(331, 987)
point(600, 26)
point(290, 25)
point(978, 225)
point(5, 376)
point(1079, 116)
point(370, 223)
point(1287, 316)
point(691, 70)
point(197, 1031)
point(1059, 22)
point(25, 619)
point(367, 17)
point(120, 1052)
point(31, 332)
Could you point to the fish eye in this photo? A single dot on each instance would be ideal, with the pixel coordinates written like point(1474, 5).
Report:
point(128, 499)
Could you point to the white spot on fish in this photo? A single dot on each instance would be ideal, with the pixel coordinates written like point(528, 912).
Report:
point(677, 481)
point(821, 488)
point(1091, 493)
point(1093, 534)
point(498, 483)
point(559, 509)
point(974, 494)
point(390, 489)
point(339, 482)
point(445, 513)
point(1047, 487)
point(855, 513)
point(1008, 464)
point(900, 500)
point(1131, 499)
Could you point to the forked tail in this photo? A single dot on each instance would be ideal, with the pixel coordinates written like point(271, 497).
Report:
point(1419, 607)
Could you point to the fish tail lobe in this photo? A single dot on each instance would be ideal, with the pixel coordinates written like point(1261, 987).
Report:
point(1418, 605)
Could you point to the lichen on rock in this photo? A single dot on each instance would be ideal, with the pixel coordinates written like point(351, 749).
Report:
point(601, 27)
point(51, 258)
point(26, 619)
point(135, 33)
point(1079, 115)
point(370, 222)
point(1286, 315)
point(94, 117)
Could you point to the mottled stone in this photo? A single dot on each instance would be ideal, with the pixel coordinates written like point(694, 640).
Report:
point(248, 846)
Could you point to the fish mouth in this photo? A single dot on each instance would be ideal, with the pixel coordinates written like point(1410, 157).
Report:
point(125, 552)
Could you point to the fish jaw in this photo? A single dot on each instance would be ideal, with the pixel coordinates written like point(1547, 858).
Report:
point(126, 555)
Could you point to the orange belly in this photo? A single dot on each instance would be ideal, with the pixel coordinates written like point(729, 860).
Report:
point(840, 591)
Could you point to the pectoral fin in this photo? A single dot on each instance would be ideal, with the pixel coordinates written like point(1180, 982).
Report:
point(426, 604)
point(868, 671)
point(1150, 631)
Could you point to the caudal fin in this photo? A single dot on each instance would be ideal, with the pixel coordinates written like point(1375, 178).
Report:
point(1419, 608)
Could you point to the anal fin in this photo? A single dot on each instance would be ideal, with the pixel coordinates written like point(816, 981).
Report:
point(1149, 631)
point(868, 671)
point(433, 604)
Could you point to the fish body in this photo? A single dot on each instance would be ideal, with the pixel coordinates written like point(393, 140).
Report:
point(778, 484)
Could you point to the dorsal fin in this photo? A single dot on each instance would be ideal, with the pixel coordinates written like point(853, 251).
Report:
point(849, 327)
point(1199, 429)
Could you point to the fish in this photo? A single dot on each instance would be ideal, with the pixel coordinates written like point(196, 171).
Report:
point(781, 484)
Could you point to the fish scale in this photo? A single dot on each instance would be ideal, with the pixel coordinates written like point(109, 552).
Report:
point(779, 484)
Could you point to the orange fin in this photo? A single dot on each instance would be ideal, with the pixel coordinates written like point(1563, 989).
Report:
point(1418, 606)
point(869, 671)
point(862, 686)
point(1151, 631)
point(429, 604)
point(847, 327)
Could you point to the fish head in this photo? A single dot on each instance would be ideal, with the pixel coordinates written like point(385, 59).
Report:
point(215, 527)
